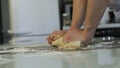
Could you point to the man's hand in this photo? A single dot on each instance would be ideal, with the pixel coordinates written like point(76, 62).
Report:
point(55, 35)
point(74, 34)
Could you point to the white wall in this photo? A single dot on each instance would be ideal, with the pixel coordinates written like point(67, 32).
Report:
point(34, 17)
point(34, 14)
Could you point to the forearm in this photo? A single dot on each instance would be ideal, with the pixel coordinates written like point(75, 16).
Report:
point(79, 11)
point(95, 11)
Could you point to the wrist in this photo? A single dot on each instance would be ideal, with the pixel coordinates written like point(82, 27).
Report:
point(64, 31)
point(88, 34)
point(74, 27)
point(89, 30)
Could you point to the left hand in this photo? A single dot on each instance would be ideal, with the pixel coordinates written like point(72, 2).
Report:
point(55, 35)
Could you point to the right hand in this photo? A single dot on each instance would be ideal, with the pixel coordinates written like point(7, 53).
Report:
point(55, 35)
point(74, 34)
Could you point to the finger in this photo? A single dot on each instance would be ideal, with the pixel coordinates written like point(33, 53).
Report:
point(68, 38)
point(55, 32)
point(55, 35)
point(49, 40)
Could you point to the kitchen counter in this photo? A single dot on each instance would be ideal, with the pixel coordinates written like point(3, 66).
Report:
point(47, 58)
point(101, 26)
point(101, 58)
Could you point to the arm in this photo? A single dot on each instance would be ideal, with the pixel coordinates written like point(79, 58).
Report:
point(79, 11)
point(94, 13)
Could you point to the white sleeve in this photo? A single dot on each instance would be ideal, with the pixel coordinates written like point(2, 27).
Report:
point(115, 5)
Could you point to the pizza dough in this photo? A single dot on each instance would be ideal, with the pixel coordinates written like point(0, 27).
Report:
point(67, 46)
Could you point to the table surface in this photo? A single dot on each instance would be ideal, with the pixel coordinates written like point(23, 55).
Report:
point(99, 58)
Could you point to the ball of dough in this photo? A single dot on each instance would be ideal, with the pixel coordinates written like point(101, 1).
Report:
point(67, 46)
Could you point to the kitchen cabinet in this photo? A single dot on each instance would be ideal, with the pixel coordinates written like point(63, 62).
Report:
point(1, 34)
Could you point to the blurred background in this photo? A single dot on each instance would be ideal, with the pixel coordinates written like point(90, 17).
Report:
point(31, 21)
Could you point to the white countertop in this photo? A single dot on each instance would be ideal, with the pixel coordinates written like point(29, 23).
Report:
point(100, 58)
point(102, 26)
